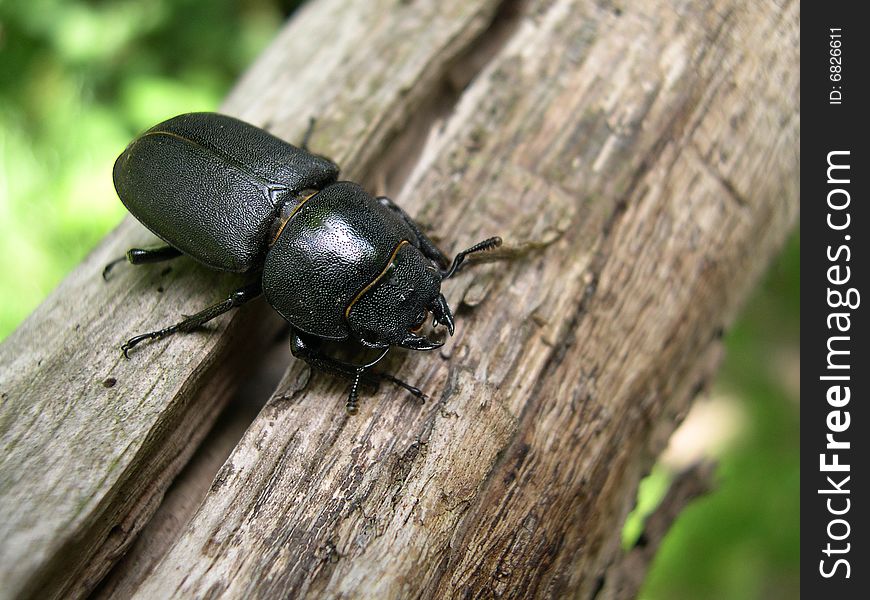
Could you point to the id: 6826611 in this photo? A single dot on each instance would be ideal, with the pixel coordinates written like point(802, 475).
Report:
point(835, 65)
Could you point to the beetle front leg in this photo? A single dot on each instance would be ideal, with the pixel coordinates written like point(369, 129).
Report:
point(234, 300)
point(142, 256)
point(307, 348)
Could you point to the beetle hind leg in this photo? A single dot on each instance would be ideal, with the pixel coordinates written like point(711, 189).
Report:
point(142, 256)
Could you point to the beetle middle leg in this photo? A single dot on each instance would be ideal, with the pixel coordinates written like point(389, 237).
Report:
point(142, 256)
point(234, 300)
point(307, 348)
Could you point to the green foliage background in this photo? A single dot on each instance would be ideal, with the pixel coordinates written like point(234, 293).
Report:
point(743, 540)
point(79, 78)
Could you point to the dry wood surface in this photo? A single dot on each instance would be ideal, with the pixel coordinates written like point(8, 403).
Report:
point(640, 161)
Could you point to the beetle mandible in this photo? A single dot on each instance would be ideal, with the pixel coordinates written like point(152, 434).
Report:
point(336, 262)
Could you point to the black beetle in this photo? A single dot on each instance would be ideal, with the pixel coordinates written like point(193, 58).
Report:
point(334, 261)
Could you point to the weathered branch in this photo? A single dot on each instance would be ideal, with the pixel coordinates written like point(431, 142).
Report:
point(644, 157)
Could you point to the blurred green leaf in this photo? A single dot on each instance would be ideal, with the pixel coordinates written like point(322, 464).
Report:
point(78, 80)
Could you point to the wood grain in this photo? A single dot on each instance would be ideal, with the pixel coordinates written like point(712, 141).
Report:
point(84, 465)
point(655, 150)
point(642, 162)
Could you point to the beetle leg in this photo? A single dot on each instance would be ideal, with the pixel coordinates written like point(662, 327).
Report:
point(306, 348)
point(427, 246)
point(141, 256)
point(234, 300)
point(307, 137)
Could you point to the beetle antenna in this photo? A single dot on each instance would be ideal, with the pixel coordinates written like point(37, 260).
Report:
point(352, 406)
point(487, 244)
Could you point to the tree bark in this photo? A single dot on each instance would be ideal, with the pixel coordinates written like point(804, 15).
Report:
point(640, 161)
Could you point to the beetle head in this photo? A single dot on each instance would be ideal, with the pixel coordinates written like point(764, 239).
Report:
point(392, 310)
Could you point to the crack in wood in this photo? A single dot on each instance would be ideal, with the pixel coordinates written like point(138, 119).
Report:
point(569, 116)
point(389, 171)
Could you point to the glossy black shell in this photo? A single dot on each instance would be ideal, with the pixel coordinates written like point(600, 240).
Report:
point(336, 244)
point(211, 186)
point(383, 314)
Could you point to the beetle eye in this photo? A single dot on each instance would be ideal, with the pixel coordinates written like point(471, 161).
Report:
point(421, 319)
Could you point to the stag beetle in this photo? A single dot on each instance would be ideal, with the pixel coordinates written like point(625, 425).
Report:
point(334, 261)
